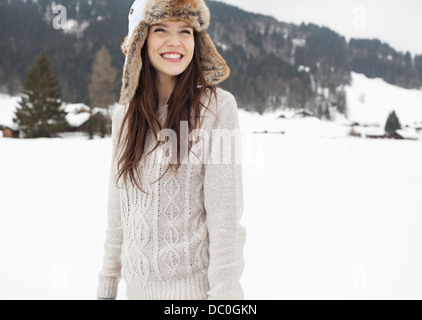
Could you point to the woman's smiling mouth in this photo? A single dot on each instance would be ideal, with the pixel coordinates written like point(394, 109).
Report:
point(172, 56)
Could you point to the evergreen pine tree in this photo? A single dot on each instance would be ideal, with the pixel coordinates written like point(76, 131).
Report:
point(319, 111)
point(103, 75)
point(342, 101)
point(327, 113)
point(40, 113)
point(392, 123)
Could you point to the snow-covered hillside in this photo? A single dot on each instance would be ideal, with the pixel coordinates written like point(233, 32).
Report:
point(369, 103)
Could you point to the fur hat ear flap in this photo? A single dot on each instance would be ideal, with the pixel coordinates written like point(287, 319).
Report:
point(123, 46)
point(133, 63)
point(213, 65)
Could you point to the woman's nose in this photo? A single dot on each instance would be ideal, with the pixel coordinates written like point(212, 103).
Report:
point(173, 40)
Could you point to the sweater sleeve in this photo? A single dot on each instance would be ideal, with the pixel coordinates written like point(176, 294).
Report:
point(110, 274)
point(223, 201)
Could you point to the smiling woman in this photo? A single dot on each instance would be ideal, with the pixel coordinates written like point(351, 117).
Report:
point(170, 50)
point(177, 234)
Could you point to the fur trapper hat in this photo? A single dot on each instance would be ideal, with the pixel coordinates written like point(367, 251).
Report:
point(145, 13)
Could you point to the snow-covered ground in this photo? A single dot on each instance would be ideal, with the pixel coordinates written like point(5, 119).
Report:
point(328, 216)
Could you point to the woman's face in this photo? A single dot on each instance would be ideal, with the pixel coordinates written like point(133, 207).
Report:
point(170, 47)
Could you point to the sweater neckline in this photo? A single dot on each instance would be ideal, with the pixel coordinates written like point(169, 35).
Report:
point(164, 106)
point(162, 110)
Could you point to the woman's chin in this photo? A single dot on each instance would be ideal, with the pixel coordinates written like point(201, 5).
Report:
point(172, 73)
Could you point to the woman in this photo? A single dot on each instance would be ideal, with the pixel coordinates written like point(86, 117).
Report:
point(173, 234)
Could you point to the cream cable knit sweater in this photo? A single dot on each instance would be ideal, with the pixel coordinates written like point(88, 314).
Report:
point(183, 240)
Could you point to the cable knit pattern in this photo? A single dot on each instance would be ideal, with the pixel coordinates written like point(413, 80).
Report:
point(183, 239)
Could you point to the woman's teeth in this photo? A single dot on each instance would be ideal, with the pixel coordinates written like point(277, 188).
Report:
point(173, 56)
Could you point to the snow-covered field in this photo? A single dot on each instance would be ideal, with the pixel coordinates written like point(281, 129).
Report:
point(328, 216)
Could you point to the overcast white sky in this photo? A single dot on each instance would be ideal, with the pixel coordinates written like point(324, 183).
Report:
point(397, 22)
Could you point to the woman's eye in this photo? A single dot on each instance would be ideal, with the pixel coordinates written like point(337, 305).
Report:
point(158, 30)
point(186, 31)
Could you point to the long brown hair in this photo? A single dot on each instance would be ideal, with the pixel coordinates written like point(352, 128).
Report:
point(142, 112)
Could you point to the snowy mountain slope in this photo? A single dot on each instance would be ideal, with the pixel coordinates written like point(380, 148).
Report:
point(369, 102)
